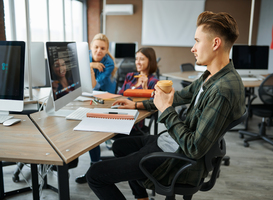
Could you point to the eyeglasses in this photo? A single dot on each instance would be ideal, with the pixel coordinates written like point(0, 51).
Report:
point(98, 100)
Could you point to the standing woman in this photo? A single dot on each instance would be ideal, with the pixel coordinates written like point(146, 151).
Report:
point(102, 64)
point(102, 68)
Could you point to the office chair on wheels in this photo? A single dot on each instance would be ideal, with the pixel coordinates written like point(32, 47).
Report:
point(186, 67)
point(264, 110)
point(213, 159)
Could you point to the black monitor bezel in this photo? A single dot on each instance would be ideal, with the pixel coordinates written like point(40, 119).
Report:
point(263, 51)
point(54, 44)
point(132, 55)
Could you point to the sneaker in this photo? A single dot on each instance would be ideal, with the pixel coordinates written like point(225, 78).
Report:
point(108, 144)
point(81, 179)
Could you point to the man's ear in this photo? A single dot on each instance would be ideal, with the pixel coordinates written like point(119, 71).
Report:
point(216, 43)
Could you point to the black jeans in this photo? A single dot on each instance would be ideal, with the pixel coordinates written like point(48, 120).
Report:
point(128, 151)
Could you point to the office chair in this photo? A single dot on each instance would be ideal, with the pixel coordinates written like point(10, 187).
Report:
point(213, 159)
point(157, 73)
point(264, 110)
point(127, 65)
point(186, 67)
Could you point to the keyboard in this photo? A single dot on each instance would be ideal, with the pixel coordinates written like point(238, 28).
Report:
point(250, 79)
point(79, 114)
point(4, 118)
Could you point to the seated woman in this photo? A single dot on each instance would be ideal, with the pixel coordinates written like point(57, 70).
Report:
point(146, 65)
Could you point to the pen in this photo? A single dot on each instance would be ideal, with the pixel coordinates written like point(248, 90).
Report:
point(115, 113)
point(137, 76)
point(93, 101)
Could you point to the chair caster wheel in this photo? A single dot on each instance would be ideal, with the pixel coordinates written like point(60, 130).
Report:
point(15, 179)
point(246, 144)
point(226, 162)
point(241, 135)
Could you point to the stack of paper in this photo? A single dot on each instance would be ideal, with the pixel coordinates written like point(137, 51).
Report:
point(109, 124)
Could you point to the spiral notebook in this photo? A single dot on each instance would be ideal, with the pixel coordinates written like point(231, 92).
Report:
point(109, 120)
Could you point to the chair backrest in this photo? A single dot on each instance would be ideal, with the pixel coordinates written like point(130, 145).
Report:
point(266, 90)
point(213, 157)
point(126, 66)
point(187, 67)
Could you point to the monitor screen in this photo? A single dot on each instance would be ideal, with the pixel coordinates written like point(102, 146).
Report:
point(64, 73)
point(12, 59)
point(125, 50)
point(251, 59)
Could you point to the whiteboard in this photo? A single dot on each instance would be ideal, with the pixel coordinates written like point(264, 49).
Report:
point(170, 22)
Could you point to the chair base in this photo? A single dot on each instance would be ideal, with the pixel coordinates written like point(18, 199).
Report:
point(256, 136)
point(226, 160)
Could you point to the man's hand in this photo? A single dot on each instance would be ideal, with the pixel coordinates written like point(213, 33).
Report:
point(162, 100)
point(97, 65)
point(125, 104)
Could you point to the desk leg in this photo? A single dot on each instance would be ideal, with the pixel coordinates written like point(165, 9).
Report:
point(35, 182)
point(63, 182)
point(155, 123)
point(1, 181)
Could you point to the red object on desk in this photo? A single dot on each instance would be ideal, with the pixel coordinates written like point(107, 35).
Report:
point(110, 116)
point(138, 93)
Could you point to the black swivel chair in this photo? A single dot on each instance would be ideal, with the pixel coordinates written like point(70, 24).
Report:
point(127, 65)
point(213, 159)
point(264, 110)
point(186, 67)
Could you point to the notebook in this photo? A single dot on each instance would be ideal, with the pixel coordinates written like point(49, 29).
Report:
point(138, 93)
point(108, 120)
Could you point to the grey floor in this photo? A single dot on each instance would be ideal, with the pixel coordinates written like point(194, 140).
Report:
point(249, 176)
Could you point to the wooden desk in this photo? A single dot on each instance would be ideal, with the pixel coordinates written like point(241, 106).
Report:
point(23, 142)
point(193, 75)
point(71, 144)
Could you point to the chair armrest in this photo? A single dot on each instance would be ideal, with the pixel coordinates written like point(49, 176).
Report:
point(190, 162)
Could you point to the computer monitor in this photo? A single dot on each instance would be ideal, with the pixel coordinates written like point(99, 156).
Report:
point(38, 67)
point(250, 60)
point(12, 59)
point(124, 50)
point(64, 76)
point(84, 65)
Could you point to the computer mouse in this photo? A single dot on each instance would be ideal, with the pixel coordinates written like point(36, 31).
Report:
point(115, 106)
point(10, 122)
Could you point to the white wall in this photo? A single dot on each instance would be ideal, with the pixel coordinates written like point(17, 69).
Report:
point(265, 30)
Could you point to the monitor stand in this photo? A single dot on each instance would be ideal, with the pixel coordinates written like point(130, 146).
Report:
point(50, 109)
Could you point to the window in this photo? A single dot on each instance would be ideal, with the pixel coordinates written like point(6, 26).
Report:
point(50, 20)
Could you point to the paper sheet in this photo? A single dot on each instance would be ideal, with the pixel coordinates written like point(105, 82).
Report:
point(105, 125)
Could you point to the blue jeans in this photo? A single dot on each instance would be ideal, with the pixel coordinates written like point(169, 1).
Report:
point(95, 154)
point(128, 151)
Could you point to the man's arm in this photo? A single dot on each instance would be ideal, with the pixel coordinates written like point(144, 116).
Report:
point(209, 123)
point(128, 104)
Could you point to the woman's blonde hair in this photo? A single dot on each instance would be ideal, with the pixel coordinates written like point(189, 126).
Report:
point(103, 37)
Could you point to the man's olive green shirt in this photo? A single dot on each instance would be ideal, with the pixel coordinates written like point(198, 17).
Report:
point(221, 102)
